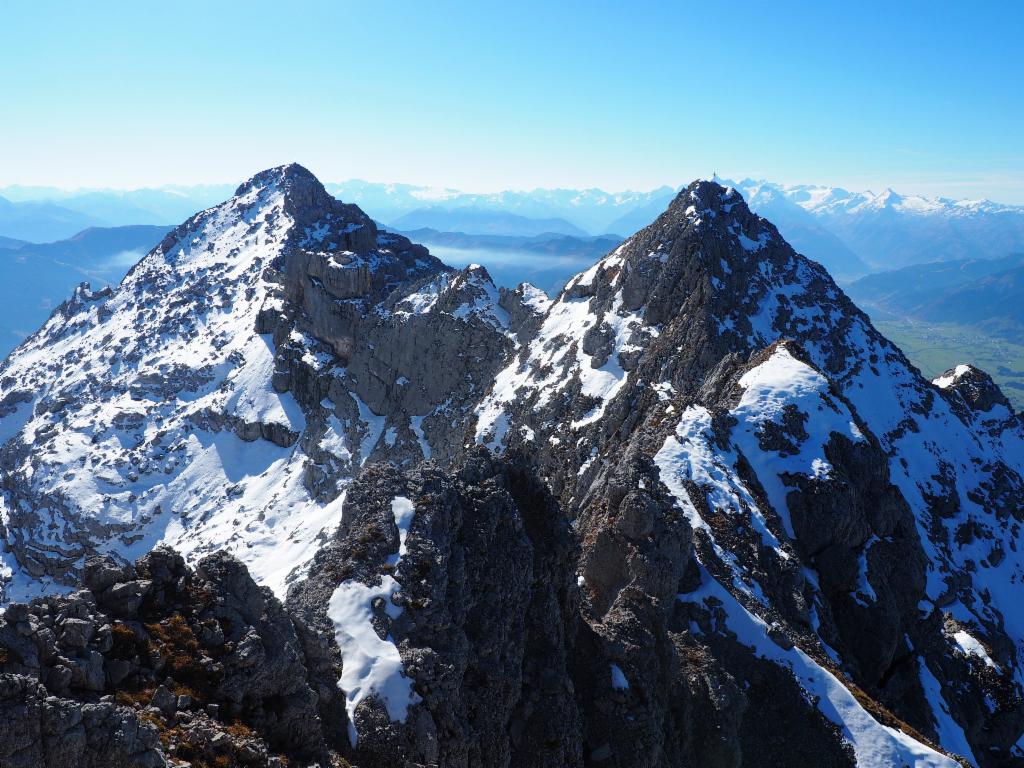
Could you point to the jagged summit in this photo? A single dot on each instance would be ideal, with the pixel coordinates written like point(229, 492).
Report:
point(287, 204)
point(298, 185)
point(279, 175)
point(307, 201)
point(713, 206)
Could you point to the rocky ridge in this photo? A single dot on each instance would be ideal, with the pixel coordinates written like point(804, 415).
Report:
point(693, 506)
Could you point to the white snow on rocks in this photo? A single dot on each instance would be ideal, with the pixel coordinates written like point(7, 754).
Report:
point(535, 299)
point(546, 366)
point(934, 450)
point(943, 382)
point(951, 735)
point(372, 666)
point(688, 455)
point(875, 745)
point(423, 300)
point(479, 298)
point(780, 383)
point(970, 646)
point(692, 454)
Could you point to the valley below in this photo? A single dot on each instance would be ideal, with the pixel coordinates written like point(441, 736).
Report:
point(936, 347)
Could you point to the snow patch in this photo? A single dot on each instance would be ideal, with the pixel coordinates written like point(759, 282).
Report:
point(371, 666)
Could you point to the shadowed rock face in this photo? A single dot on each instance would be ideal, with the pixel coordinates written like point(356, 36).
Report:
point(510, 666)
point(694, 511)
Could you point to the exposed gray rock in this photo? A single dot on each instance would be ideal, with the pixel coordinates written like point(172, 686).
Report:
point(39, 730)
point(711, 514)
point(102, 690)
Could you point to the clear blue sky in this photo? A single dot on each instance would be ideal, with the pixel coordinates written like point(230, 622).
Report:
point(921, 96)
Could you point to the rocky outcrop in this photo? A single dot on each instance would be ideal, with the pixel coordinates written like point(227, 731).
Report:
point(514, 662)
point(153, 663)
point(40, 730)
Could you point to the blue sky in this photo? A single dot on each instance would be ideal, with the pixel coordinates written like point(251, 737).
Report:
point(923, 97)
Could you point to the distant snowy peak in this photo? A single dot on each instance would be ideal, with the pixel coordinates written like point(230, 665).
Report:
point(854, 233)
point(831, 201)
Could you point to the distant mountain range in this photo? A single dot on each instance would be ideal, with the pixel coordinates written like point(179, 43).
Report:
point(117, 207)
point(484, 222)
point(591, 211)
point(48, 214)
point(981, 293)
point(887, 230)
point(38, 277)
point(591, 246)
point(850, 233)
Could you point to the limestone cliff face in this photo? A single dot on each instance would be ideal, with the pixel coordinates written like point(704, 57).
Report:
point(695, 510)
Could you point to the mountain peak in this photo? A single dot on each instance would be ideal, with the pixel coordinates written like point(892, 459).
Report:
point(304, 198)
point(286, 203)
point(707, 204)
point(708, 195)
point(289, 175)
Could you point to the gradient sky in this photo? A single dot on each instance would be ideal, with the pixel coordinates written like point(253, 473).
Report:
point(920, 96)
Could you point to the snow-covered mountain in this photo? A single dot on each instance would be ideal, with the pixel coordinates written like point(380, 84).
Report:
point(887, 230)
point(694, 511)
point(223, 394)
point(483, 222)
point(833, 495)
